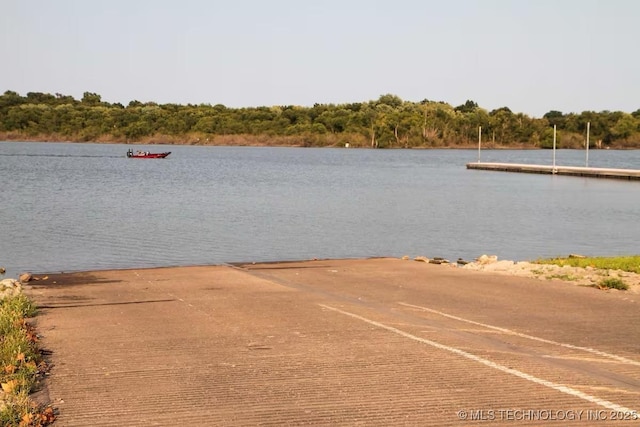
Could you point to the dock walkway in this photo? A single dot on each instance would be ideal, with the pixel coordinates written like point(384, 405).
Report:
point(628, 174)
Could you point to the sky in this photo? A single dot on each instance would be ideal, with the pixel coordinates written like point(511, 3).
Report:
point(532, 56)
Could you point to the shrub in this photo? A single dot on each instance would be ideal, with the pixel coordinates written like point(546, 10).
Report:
point(21, 365)
point(613, 283)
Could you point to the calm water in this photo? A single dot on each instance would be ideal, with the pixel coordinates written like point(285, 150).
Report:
point(66, 207)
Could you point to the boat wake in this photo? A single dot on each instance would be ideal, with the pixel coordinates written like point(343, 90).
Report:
point(58, 155)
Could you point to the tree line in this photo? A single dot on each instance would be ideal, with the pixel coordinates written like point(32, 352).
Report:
point(387, 122)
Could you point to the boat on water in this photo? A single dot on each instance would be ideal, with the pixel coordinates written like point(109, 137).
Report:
point(146, 155)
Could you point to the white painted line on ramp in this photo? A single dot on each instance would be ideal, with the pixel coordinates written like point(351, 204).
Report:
point(558, 387)
point(531, 337)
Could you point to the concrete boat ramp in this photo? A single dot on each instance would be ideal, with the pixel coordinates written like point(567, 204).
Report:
point(627, 174)
point(335, 342)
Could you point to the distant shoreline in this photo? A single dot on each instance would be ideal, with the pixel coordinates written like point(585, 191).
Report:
point(387, 122)
point(266, 141)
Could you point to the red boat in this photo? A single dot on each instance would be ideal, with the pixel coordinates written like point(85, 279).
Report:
point(147, 155)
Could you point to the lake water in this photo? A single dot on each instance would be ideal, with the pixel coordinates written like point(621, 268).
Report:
point(70, 207)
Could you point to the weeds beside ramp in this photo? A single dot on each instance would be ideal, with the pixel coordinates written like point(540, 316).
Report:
point(335, 342)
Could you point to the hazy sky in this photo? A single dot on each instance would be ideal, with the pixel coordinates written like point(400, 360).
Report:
point(532, 56)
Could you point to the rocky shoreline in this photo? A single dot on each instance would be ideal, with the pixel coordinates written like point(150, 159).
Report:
point(575, 275)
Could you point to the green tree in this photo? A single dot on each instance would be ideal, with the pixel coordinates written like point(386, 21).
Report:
point(11, 98)
point(626, 127)
point(468, 107)
point(555, 118)
point(392, 101)
point(91, 99)
point(335, 120)
point(40, 98)
point(503, 124)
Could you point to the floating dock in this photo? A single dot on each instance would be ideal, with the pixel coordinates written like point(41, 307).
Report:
point(628, 174)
